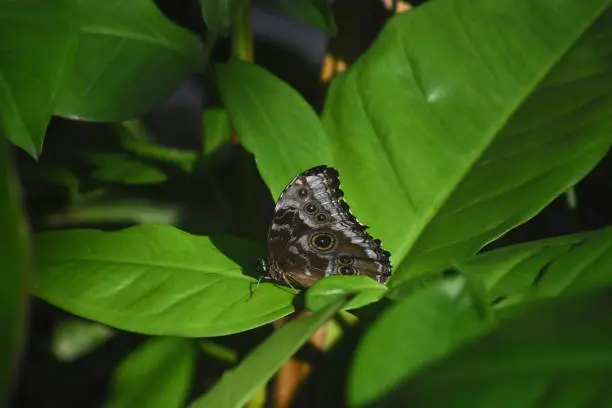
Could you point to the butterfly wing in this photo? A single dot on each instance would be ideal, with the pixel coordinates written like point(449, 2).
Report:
point(314, 234)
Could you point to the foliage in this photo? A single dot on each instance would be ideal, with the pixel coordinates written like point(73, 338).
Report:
point(461, 122)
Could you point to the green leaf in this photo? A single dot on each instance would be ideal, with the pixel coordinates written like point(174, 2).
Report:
point(556, 353)
point(156, 280)
point(545, 268)
point(129, 58)
point(238, 385)
point(219, 14)
point(121, 168)
point(157, 375)
point(460, 130)
point(14, 267)
point(37, 41)
point(361, 290)
point(217, 129)
point(411, 334)
point(273, 122)
point(74, 338)
point(317, 13)
point(185, 159)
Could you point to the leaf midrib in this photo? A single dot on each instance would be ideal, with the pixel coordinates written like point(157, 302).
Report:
point(233, 272)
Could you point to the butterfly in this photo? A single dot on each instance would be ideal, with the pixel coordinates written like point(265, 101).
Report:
point(313, 234)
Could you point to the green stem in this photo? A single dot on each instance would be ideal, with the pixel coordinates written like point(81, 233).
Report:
point(129, 211)
point(242, 40)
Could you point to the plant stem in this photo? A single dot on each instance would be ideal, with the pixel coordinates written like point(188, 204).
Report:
point(242, 40)
point(129, 211)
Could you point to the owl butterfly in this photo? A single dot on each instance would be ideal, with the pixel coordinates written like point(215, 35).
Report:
point(313, 234)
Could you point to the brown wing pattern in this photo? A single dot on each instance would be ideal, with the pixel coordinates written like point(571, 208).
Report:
point(313, 234)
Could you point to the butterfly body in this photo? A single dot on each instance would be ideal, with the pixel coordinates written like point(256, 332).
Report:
point(314, 235)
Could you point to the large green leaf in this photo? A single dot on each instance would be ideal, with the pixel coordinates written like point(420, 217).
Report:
point(556, 353)
point(37, 39)
point(466, 118)
point(14, 271)
point(129, 58)
point(414, 332)
point(544, 268)
point(155, 280)
point(241, 383)
point(157, 375)
point(273, 122)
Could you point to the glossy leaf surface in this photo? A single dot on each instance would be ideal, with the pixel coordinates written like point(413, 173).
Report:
point(37, 40)
point(546, 268)
point(465, 119)
point(129, 58)
point(273, 122)
point(156, 280)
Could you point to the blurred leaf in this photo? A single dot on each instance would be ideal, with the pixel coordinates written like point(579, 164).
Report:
point(158, 374)
point(121, 168)
point(185, 159)
point(130, 58)
point(461, 130)
point(317, 13)
point(217, 129)
point(273, 122)
point(121, 211)
point(556, 353)
point(337, 329)
point(571, 198)
point(153, 279)
point(37, 40)
point(241, 383)
point(360, 290)
point(53, 174)
point(14, 276)
point(411, 334)
point(219, 351)
point(545, 268)
point(74, 338)
point(219, 14)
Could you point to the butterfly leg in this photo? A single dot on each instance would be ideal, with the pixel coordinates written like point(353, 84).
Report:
point(261, 278)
